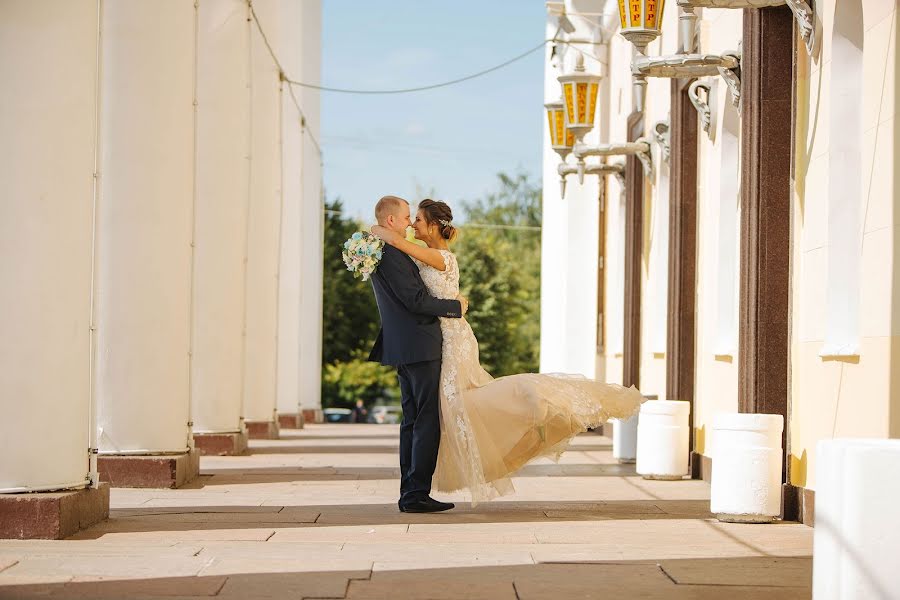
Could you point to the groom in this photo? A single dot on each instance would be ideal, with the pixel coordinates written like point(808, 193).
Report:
point(410, 339)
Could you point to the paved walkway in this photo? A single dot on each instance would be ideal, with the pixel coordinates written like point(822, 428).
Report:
point(313, 515)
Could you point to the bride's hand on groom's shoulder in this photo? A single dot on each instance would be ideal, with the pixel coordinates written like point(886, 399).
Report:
point(384, 233)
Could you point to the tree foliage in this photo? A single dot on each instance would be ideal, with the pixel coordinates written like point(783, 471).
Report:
point(499, 256)
point(500, 274)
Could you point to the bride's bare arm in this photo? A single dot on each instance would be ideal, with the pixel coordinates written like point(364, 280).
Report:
point(429, 256)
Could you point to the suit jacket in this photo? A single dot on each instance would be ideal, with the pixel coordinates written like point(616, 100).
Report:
point(410, 330)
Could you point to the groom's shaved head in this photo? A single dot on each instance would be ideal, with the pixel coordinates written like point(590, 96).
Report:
point(388, 205)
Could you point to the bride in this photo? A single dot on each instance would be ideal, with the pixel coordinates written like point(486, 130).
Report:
point(490, 428)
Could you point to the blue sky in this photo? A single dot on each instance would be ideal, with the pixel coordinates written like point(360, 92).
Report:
point(451, 141)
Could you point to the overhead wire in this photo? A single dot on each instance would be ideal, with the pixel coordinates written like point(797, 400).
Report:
point(283, 76)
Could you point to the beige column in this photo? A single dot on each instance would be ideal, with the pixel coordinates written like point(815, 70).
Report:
point(48, 66)
point(260, 370)
point(290, 38)
point(223, 194)
point(143, 285)
point(312, 218)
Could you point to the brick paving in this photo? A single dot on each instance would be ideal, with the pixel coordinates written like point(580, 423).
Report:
point(313, 515)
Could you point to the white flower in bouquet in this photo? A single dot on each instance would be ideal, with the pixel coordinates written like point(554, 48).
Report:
point(362, 253)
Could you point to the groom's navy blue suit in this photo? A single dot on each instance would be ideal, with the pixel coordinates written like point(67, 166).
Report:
point(410, 339)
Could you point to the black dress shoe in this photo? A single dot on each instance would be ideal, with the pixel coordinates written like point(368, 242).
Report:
point(426, 505)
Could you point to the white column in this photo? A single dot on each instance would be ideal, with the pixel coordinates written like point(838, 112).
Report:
point(143, 284)
point(223, 175)
point(265, 223)
point(569, 245)
point(312, 218)
point(289, 278)
point(48, 60)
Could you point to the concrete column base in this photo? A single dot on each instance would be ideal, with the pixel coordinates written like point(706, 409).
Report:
point(313, 415)
point(291, 420)
point(52, 515)
point(221, 444)
point(154, 471)
point(262, 430)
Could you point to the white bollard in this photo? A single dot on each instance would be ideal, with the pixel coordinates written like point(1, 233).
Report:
point(625, 434)
point(857, 530)
point(625, 437)
point(746, 467)
point(663, 439)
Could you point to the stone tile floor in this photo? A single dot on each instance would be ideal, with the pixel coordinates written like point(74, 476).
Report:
point(313, 515)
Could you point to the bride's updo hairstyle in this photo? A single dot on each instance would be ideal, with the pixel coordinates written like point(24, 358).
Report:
point(439, 213)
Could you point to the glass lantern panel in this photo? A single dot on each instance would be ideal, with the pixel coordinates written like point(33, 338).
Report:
point(550, 120)
point(570, 138)
point(593, 103)
point(560, 127)
point(635, 9)
point(581, 94)
point(650, 21)
point(569, 93)
point(622, 12)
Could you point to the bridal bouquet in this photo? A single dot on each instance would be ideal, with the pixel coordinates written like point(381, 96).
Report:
point(362, 253)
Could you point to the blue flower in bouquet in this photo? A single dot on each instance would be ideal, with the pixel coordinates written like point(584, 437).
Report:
point(362, 253)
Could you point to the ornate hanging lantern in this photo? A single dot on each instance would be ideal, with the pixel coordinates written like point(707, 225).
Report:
point(580, 91)
point(641, 20)
point(561, 139)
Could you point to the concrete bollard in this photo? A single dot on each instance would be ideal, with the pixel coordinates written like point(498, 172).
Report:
point(857, 530)
point(746, 467)
point(663, 439)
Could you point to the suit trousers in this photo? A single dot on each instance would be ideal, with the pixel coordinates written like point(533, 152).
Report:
point(420, 431)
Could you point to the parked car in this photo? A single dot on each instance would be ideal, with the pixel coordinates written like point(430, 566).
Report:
point(385, 414)
point(336, 415)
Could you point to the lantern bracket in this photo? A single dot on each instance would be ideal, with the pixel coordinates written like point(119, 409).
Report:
point(661, 136)
point(700, 104)
point(802, 9)
point(601, 170)
point(639, 149)
point(690, 66)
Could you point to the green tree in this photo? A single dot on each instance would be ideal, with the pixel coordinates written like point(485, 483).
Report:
point(499, 253)
point(349, 325)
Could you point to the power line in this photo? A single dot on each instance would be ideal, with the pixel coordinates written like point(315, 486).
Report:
point(329, 211)
point(283, 77)
point(424, 87)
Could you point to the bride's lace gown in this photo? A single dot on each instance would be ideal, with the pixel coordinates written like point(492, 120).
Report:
point(491, 427)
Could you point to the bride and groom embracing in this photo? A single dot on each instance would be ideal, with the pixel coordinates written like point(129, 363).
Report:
point(461, 428)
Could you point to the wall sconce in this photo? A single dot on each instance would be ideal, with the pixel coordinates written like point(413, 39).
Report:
point(803, 13)
point(601, 170)
point(561, 139)
point(686, 64)
point(580, 90)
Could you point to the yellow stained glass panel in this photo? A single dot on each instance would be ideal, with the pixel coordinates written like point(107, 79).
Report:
point(635, 8)
point(622, 12)
point(581, 93)
point(570, 138)
point(560, 128)
point(593, 104)
point(650, 21)
point(550, 114)
point(570, 101)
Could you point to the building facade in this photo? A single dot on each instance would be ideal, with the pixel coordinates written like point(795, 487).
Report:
point(162, 241)
point(750, 267)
